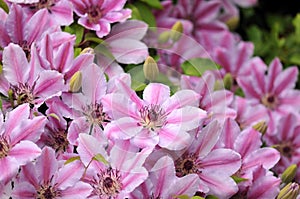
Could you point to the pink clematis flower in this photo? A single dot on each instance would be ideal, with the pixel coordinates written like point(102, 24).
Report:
point(286, 142)
point(213, 166)
point(118, 173)
point(98, 15)
point(23, 29)
point(88, 113)
point(158, 119)
point(17, 137)
point(197, 17)
point(163, 183)
point(274, 90)
point(215, 102)
point(47, 179)
point(248, 144)
point(25, 82)
point(60, 12)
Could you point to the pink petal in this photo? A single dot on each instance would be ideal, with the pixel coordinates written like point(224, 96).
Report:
point(229, 133)
point(187, 118)
point(180, 99)
point(48, 84)
point(46, 164)
point(80, 190)
point(286, 80)
point(63, 57)
point(219, 185)
point(133, 29)
point(104, 28)
point(162, 175)
point(36, 26)
point(186, 185)
point(63, 12)
point(69, 174)
point(88, 147)
point(273, 72)
point(267, 157)
point(156, 93)
point(227, 159)
point(145, 139)
point(15, 22)
point(29, 174)
point(24, 190)
point(28, 129)
point(118, 106)
point(15, 64)
point(128, 51)
point(79, 63)
point(247, 141)
point(25, 151)
point(173, 138)
point(21, 113)
point(93, 83)
point(134, 178)
point(207, 139)
point(110, 5)
point(10, 166)
point(123, 128)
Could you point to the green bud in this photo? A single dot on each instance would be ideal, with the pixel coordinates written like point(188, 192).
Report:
point(289, 174)
point(232, 23)
point(290, 191)
point(164, 37)
point(228, 81)
point(176, 32)
point(261, 127)
point(75, 82)
point(150, 69)
point(88, 50)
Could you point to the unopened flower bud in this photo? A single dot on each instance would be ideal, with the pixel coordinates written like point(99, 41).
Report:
point(289, 174)
point(233, 22)
point(75, 82)
point(164, 37)
point(88, 50)
point(150, 69)
point(176, 32)
point(261, 127)
point(290, 191)
point(228, 81)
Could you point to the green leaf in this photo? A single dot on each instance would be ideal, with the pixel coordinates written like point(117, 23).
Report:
point(138, 86)
point(153, 3)
point(296, 23)
point(100, 158)
point(135, 13)
point(77, 51)
point(238, 179)
point(197, 197)
point(72, 159)
point(4, 6)
point(76, 29)
point(239, 92)
point(146, 13)
point(197, 66)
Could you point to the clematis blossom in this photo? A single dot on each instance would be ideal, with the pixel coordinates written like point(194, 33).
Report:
point(119, 170)
point(47, 179)
point(98, 15)
point(17, 139)
point(24, 82)
point(158, 119)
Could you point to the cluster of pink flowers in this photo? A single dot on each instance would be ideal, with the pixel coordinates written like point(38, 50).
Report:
point(72, 126)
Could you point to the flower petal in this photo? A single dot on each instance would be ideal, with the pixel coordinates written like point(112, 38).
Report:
point(156, 93)
point(80, 190)
point(46, 164)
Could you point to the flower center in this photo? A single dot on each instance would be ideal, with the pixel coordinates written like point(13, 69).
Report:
point(57, 140)
point(4, 147)
point(94, 14)
point(95, 115)
point(21, 94)
point(187, 164)
point(43, 4)
point(153, 117)
point(47, 192)
point(285, 149)
point(270, 101)
point(109, 184)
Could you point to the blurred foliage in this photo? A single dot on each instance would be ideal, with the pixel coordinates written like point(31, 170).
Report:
point(274, 28)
